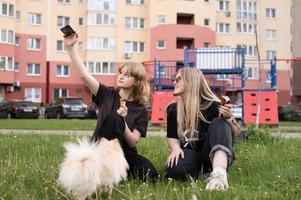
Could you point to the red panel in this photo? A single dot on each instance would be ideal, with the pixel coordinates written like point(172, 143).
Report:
point(159, 105)
point(268, 107)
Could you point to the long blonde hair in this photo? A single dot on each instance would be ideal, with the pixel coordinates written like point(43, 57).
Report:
point(141, 88)
point(196, 98)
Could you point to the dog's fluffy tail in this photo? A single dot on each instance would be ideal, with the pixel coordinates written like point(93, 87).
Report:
point(80, 170)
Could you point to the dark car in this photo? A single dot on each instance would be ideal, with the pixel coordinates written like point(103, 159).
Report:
point(93, 111)
point(67, 107)
point(18, 109)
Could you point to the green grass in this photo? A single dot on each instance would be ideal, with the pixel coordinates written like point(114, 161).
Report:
point(265, 168)
point(288, 123)
point(54, 124)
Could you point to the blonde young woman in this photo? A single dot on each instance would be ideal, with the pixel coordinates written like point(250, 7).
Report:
point(199, 139)
point(123, 113)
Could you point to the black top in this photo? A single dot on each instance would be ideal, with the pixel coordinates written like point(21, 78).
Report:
point(108, 101)
point(209, 114)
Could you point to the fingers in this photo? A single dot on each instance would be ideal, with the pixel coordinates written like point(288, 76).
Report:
point(182, 154)
point(225, 111)
point(122, 111)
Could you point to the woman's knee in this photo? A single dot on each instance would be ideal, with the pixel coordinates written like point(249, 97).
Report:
point(176, 172)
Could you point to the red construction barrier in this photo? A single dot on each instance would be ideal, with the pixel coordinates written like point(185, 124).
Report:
point(159, 105)
point(268, 107)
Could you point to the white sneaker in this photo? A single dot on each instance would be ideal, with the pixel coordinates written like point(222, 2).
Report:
point(217, 181)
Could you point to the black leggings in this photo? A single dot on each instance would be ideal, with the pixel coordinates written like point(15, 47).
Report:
point(113, 127)
point(218, 137)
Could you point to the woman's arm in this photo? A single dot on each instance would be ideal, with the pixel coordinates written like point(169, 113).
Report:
point(131, 137)
point(87, 78)
point(175, 152)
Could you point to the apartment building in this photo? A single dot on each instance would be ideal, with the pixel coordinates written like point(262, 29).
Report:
point(35, 66)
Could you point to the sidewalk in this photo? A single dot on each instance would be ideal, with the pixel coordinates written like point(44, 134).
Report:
point(161, 133)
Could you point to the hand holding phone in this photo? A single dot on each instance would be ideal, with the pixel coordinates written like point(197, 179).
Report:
point(225, 100)
point(67, 30)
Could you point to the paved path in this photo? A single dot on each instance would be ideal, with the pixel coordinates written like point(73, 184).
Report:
point(89, 133)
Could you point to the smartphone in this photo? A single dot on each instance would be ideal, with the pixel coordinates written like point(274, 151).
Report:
point(225, 100)
point(67, 30)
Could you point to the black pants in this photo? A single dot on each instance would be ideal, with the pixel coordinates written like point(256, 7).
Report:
point(218, 137)
point(113, 127)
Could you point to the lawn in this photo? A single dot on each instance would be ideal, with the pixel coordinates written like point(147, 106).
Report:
point(265, 168)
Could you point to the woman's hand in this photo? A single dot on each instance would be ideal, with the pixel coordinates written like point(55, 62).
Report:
point(122, 111)
point(174, 157)
point(70, 40)
point(225, 111)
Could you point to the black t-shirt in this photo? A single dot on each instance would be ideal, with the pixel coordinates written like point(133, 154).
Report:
point(108, 101)
point(209, 114)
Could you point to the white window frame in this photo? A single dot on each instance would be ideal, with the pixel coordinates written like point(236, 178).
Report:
point(247, 9)
point(97, 68)
point(33, 94)
point(62, 70)
point(18, 15)
point(64, 1)
point(246, 28)
point(134, 23)
point(270, 54)
point(63, 49)
point(103, 19)
point(102, 5)
point(34, 68)
point(7, 36)
point(60, 93)
point(223, 28)
point(17, 69)
point(62, 21)
point(271, 34)
point(9, 11)
point(134, 47)
point(17, 40)
point(253, 73)
point(101, 44)
point(223, 5)
point(161, 19)
point(34, 44)
point(159, 42)
point(135, 2)
point(8, 63)
point(271, 13)
point(34, 19)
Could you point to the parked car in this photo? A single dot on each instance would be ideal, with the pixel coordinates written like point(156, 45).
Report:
point(93, 111)
point(67, 107)
point(18, 109)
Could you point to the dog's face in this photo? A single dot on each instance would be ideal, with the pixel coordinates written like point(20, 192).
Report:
point(110, 146)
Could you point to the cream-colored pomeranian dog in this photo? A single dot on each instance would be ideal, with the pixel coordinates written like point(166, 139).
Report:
point(90, 166)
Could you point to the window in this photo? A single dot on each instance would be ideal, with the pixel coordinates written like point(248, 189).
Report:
point(249, 28)
point(247, 9)
point(135, 2)
point(101, 68)
point(34, 19)
point(59, 93)
point(206, 22)
point(185, 18)
point(161, 44)
point(80, 21)
point(62, 21)
point(271, 13)
point(64, 1)
point(33, 44)
point(253, 73)
point(101, 19)
point(99, 5)
point(60, 46)
point(161, 19)
point(222, 28)
point(18, 15)
point(223, 5)
point(134, 22)
point(183, 43)
point(95, 43)
point(7, 9)
point(17, 67)
point(271, 34)
point(133, 47)
point(17, 41)
point(270, 54)
point(6, 63)
point(33, 94)
point(206, 44)
point(250, 50)
point(7, 36)
point(62, 70)
point(33, 69)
